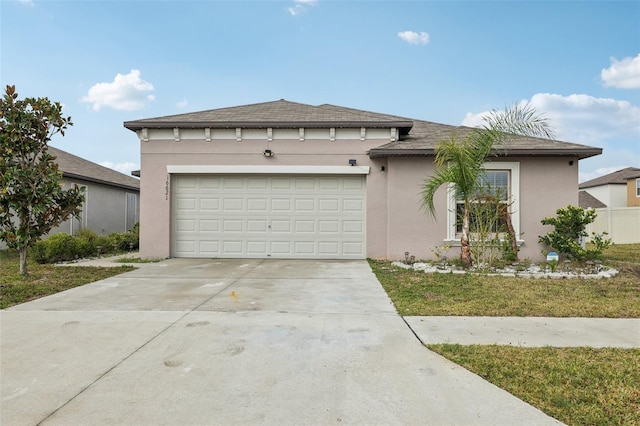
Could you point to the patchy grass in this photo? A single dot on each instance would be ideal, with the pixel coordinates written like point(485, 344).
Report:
point(578, 386)
point(44, 280)
point(417, 293)
point(135, 260)
point(622, 253)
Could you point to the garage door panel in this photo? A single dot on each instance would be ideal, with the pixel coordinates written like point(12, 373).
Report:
point(268, 216)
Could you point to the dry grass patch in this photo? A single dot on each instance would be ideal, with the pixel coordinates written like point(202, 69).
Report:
point(578, 386)
point(44, 280)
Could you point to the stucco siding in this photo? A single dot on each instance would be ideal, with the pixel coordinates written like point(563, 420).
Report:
point(633, 199)
point(104, 210)
point(156, 155)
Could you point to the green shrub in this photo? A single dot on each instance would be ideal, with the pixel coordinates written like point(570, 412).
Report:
point(64, 247)
point(56, 248)
point(569, 228)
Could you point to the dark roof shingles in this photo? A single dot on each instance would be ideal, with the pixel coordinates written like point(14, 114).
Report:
point(618, 177)
point(79, 168)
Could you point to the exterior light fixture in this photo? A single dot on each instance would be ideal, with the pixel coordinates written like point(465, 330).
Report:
point(352, 162)
point(268, 153)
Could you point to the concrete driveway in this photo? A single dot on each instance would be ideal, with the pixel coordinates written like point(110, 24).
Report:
point(234, 342)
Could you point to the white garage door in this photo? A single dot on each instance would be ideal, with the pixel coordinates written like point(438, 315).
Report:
point(256, 216)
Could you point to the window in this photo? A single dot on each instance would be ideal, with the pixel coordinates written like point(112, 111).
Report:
point(502, 180)
point(637, 187)
point(494, 183)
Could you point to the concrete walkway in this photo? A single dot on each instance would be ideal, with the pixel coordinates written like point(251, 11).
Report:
point(234, 342)
point(528, 331)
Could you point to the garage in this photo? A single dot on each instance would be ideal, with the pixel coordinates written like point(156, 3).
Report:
point(289, 216)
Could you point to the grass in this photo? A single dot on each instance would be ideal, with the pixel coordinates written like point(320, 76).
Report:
point(578, 386)
point(44, 280)
point(417, 293)
point(135, 260)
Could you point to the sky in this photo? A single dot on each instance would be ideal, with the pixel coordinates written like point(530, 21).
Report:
point(111, 61)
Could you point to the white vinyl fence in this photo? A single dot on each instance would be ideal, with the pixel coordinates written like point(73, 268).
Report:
point(621, 223)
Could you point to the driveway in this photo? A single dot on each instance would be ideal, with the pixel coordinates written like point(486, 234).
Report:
point(209, 342)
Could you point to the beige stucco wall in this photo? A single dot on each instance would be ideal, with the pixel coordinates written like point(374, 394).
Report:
point(396, 222)
point(633, 200)
point(156, 155)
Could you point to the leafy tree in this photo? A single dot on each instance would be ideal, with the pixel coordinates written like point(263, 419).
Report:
point(460, 160)
point(32, 200)
point(569, 229)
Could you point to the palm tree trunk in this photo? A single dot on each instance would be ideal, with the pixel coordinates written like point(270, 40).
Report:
point(465, 246)
point(23, 261)
point(503, 211)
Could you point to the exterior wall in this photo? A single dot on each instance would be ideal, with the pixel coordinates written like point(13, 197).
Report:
point(546, 184)
point(611, 195)
point(622, 224)
point(104, 210)
point(315, 149)
point(633, 199)
point(396, 222)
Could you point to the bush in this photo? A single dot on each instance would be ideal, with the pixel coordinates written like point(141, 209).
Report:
point(569, 229)
point(57, 248)
point(64, 247)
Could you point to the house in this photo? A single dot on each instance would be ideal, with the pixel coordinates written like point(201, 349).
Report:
point(289, 180)
point(619, 212)
point(111, 198)
point(588, 201)
point(618, 189)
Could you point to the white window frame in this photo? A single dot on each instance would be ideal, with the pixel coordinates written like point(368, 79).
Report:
point(637, 187)
point(514, 199)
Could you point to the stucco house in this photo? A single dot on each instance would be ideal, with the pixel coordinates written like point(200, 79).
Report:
point(288, 180)
point(618, 189)
point(112, 199)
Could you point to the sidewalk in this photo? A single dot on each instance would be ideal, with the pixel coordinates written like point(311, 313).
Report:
point(528, 331)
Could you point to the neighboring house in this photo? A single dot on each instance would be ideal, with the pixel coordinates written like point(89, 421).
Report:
point(588, 201)
point(633, 189)
point(111, 198)
point(288, 180)
point(619, 214)
point(618, 189)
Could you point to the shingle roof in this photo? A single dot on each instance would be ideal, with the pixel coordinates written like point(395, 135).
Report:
point(619, 177)
point(425, 135)
point(417, 137)
point(280, 113)
point(586, 201)
point(75, 167)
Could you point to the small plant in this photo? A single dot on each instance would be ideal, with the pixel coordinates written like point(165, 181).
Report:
point(553, 263)
point(569, 230)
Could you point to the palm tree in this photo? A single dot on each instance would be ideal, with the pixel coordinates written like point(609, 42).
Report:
point(460, 161)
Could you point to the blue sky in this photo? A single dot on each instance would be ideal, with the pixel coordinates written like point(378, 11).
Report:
point(445, 61)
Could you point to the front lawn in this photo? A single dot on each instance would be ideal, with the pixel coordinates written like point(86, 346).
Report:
point(578, 386)
point(417, 293)
point(44, 280)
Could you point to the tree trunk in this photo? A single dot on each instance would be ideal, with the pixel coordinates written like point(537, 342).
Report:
point(506, 219)
point(23, 261)
point(465, 247)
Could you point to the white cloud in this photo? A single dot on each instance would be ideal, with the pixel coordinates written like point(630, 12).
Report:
point(125, 168)
point(581, 118)
point(300, 6)
point(127, 92)
point(182, 104)
point(624, 74)
point(413, 37)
